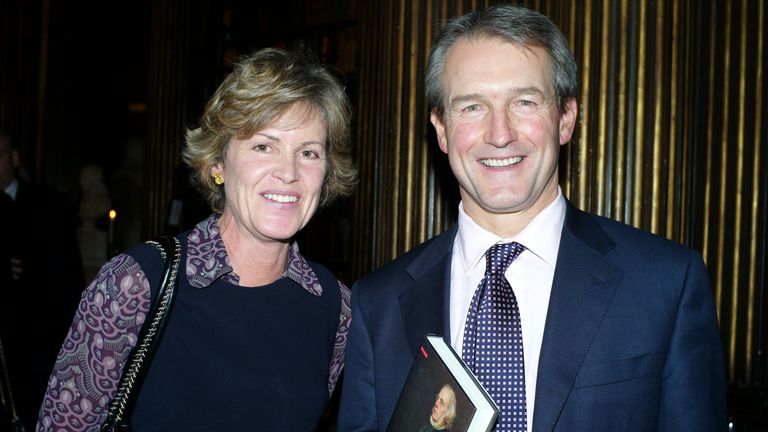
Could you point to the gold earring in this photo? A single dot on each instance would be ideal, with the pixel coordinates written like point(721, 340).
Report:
point(218, 179)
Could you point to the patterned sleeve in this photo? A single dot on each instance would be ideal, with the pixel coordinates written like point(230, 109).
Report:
point(104, 330)
point(337, 360)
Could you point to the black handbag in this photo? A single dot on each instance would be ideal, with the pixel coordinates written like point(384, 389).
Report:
point(9, 418)
point(119, 411)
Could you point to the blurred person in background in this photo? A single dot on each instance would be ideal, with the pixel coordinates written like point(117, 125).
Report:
point(40, 279)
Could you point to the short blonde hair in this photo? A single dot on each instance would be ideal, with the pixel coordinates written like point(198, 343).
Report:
point(262, 87)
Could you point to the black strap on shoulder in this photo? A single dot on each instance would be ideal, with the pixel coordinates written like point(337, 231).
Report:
point(119, 411)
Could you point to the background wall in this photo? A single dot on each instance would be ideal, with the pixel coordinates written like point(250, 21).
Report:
point(671, 135)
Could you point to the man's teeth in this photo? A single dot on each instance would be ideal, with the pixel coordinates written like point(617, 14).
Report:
point(501, 162)
point(281, 198)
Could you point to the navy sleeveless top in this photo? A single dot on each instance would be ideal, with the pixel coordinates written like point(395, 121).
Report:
point(239, 359)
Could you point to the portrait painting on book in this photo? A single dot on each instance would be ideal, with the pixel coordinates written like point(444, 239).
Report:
point(442, 394)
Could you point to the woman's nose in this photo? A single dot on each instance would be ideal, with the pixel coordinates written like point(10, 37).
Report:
point(286, 170)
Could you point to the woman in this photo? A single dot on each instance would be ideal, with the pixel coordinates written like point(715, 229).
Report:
point(255, 339)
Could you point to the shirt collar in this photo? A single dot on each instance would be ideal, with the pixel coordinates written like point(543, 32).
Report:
point(207, 260)
point(541, 236)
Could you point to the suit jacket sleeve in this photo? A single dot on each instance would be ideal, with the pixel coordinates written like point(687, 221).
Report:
point(693, 381)
point(357, 411)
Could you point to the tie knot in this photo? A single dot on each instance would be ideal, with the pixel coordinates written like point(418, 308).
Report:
point(500, 256)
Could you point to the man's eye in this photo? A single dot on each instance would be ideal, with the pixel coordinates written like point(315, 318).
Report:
point(472, 108)
point(261, 147)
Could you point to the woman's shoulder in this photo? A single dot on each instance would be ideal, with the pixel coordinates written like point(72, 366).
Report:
point(122, 277)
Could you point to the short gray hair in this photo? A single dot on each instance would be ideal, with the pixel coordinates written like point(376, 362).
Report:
point(513, 24)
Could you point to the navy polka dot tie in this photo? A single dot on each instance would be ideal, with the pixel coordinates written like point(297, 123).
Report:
point(493, 339)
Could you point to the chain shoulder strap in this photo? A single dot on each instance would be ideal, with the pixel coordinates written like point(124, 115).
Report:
point(149, 338)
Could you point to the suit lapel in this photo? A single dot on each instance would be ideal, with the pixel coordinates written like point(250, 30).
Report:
point(583, 286)
point(424, 304)
point(582, 289)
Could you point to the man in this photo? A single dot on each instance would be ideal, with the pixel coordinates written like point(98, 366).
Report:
point(619, 330)
point(41, 278)
point(443, 411)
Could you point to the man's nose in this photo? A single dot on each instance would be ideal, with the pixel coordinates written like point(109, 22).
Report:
point(501, 131)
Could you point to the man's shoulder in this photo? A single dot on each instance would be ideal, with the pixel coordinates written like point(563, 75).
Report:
point(624, 230)
point(400, 268)
point(629, 239)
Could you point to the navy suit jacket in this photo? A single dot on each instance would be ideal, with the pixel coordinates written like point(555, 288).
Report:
point(631, 341)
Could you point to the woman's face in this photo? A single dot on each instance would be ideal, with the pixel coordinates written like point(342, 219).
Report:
point(273, 180)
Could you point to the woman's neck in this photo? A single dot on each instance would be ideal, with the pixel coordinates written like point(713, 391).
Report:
point(255, 261)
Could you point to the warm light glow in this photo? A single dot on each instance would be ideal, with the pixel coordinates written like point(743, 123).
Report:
point(112, 214)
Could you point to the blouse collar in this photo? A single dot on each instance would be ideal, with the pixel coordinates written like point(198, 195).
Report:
point(207, 260)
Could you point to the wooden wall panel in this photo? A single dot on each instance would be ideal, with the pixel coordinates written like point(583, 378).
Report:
point(167, 106)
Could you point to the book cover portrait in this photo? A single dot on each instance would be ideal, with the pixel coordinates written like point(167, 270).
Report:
point(441, 394)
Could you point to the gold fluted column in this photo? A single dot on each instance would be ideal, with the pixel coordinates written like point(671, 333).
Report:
point(400, 201)
point(169, 50)
point(756, 271)
point(670, 139)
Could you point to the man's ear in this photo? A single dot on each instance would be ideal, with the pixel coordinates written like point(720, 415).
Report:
point(437, 122)
point(568, 120)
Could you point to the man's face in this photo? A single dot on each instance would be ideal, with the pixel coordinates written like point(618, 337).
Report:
point(441, 406)
point(502, 130)
point(9, 160)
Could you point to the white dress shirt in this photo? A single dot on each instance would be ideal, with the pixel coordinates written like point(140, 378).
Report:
point(530, 276)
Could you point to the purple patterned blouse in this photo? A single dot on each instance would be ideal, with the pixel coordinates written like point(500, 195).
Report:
point(109, 317)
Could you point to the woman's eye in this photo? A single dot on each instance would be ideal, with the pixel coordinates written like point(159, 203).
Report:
point(310, 154)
